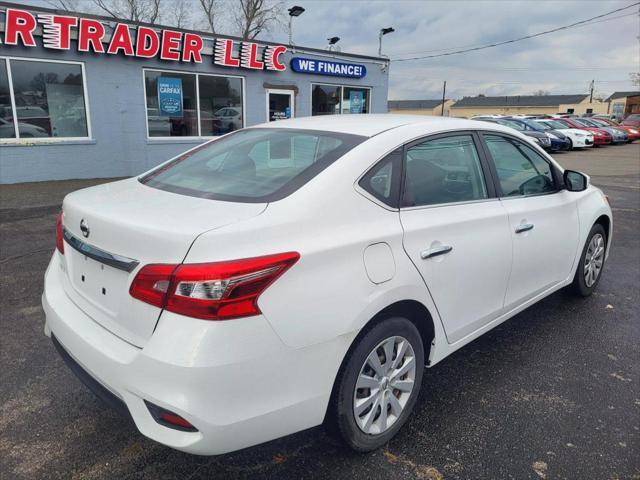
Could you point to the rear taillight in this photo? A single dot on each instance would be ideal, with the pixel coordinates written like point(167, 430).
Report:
point(59, 234)
point(211, 291)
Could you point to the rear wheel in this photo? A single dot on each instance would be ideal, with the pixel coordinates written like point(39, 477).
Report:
point(378, 385)
point(591, 263)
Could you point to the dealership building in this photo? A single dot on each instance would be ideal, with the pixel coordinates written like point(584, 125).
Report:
point(84, 96)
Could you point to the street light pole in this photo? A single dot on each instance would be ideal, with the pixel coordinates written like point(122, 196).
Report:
point(294, 11)
point(383, 31)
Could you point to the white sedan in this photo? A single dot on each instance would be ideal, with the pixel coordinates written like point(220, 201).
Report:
point(306, 271)
point(579, 138)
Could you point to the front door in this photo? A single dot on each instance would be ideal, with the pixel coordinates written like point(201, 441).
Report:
point(280, 105)
point(456, 231)
point(543, 218)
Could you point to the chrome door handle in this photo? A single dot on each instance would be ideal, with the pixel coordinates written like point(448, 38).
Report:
point(524, 227)
point(435, 251)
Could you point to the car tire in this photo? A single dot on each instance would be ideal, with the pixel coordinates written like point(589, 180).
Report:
point(342, 419)
point(571, 147)
point(583, 283)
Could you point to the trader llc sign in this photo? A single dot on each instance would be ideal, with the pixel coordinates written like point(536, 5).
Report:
point(170, 45)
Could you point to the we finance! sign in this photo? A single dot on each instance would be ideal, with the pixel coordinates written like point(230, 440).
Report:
point(114, 38)
point(327, 67)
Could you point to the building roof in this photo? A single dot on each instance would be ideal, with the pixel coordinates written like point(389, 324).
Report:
point(413, 104)
point(615, 95)
point(520, 101)
point(4, 4)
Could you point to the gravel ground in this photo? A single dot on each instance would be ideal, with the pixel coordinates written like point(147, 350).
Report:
point(552, 393)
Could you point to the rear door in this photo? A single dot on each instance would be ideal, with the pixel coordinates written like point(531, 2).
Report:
point(455, 230)
point(543, 217)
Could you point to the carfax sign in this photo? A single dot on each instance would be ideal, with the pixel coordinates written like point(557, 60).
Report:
point(327, 67)
point(170, 96)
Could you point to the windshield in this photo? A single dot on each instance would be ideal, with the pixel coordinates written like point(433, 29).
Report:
point(509, 123)
point(584, 121)
point(545, 125)
point(532, 125)
point(252, 165)
point(558, 125)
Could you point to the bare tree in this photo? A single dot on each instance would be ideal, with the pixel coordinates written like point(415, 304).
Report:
point(177, 14)
point(69, 5)
point(147, 11)
point(541, 93)
point(635, 79)
point(254, 17)
point(210, 10)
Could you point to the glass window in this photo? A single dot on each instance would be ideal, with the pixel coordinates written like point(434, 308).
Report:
point(444, 170)
point(381, 181)
point(220, 104)
point(7, 128)
point(355, 100)
point(255, 165)
point(49, 99)
point(521, 170)
point(325, 99)
point(162, 122)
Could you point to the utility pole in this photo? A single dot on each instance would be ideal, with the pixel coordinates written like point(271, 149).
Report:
point(591, 94)
point(444, 92)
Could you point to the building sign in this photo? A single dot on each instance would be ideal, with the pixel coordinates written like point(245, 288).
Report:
point(327, 67)
point(141, 42)
point(356, 100)
point(170, 96)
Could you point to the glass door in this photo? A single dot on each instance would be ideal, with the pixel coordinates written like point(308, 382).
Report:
point(280, 105)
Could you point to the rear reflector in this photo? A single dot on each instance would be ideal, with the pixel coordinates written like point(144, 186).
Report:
point(211, 291)
point(169, 419)
point(59, 234)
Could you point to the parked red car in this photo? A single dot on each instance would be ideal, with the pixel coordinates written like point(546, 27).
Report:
point(633, 132)
point(632, 120)
point(600, 137)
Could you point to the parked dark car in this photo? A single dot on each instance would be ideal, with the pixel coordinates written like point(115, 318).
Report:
point(559, 141)
point(540, 137)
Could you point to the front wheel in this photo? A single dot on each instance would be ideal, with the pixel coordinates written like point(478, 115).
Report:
point(591, 263)
point(378, 385)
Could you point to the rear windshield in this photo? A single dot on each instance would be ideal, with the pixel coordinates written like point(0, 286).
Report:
point(252, 165)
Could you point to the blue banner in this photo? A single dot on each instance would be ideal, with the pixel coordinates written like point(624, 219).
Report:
point(326, 67)
point(356, 100)
point(170, 96)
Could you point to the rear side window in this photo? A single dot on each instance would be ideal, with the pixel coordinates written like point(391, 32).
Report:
point(253, 165)
point(444, 170)
point(521, 170)
point(383, 180)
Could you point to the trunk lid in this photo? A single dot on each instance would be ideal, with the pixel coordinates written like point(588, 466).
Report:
point(126, 225)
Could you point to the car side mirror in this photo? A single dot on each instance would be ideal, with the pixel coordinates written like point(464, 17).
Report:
point(575, 181)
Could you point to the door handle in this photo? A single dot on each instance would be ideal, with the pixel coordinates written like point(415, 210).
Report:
point(435, 251)
point(524, 227)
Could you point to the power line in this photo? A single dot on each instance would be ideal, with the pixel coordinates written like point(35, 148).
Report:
point(437, 50)
point(526, 37)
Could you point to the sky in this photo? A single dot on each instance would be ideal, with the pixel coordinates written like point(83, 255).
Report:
point(564, 62)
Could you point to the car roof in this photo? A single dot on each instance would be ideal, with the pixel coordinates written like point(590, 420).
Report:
point(369, 125)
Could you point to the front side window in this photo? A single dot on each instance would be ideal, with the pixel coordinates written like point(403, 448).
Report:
point(49, 100)
point(253, 165)
point(444, 170)
point(520, 169)
point(192, 105)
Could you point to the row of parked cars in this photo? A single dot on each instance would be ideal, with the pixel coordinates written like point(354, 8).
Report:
point(568, 132)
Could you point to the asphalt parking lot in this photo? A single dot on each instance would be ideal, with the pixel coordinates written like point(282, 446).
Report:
point(552, 393)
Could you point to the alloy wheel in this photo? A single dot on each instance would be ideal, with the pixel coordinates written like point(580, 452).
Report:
point(384, 385)
point(593, 260)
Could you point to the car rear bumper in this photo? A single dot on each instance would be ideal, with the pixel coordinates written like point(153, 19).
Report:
point(235, 381)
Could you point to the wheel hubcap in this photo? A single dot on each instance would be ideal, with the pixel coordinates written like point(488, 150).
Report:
point(384, 385)
point(593, 260)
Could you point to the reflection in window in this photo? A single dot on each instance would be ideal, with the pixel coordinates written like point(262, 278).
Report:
point(7, 129)
point(220, 104)
point(325, 100)
point(520, 169)
point(355, 100)
point(174, 108)
point(445, 170)
point(336, 99)
point(183, 122)
point(49, 99)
